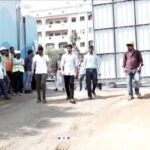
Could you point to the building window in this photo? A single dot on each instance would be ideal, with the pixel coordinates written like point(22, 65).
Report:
point(57, 22)
point(64, 33)
point(91, 42)
point(57, 34)
point(62, 44)
point(39, 22)
point(65, 21)
point(90, 30)
point(39, 34)
point(73, 31)
point(51, 22)
point(82, 44)
point(90, 17)
point(51, 34)
point(82, 18)
point(50, 45)
point(82, 31)
point(73, 19)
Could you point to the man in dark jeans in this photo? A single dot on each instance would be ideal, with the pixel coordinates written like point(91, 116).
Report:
point(132, 64)
point(91, 65)
point(41, 68)
point(69, 65)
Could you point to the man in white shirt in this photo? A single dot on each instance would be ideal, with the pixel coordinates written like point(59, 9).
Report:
point(41, 68)
point(69, 67)
point(92, 68)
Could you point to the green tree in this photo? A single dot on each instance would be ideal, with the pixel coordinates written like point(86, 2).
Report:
point(54, 56)
point(73, 39)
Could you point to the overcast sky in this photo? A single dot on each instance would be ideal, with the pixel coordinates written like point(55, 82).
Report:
point(46, 4)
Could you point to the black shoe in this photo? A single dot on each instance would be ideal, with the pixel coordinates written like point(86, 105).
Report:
point(7, 98)
point(26, 92)
point(56, 90)
point(44, 101)
point(130, 98)
point(68, 98)
point(73, 101)
point(94, 93)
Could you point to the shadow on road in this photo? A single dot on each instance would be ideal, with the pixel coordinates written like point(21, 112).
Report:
point(146, 96)
point(100, 97)
point(24, 117)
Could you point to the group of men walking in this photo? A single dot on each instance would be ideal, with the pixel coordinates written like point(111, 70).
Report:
point(90, 68)
point(13, 67)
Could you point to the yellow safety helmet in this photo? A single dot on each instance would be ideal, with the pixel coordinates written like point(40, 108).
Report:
point(130, 43)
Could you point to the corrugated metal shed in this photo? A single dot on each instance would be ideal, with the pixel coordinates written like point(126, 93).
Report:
point(16, 30)
point(115, 23)
point(8, 23)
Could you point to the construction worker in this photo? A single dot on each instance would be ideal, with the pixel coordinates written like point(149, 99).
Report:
point(132, 64)
point(18, 71)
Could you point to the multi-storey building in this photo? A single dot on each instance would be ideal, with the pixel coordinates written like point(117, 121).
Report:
point(55, 26)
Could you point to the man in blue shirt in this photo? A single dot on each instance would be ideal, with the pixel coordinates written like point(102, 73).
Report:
point(28, 71)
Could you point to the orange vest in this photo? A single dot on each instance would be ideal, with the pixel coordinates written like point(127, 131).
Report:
point(8, 64)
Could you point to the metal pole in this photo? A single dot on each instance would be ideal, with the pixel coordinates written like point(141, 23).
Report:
point(18, 13)
point(115, 57)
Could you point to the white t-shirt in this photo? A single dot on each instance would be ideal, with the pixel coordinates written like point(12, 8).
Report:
point(69, 62)
point(91, 62)
point(2, 71)
point(41, 64)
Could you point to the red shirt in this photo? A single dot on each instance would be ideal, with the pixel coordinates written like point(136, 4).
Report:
point(132, 60)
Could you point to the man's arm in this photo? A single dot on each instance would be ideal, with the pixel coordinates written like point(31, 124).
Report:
point(62, 63)
point(140, 61)
point(124, 62)
point(33, 65)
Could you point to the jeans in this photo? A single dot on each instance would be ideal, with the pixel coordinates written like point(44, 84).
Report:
point(91, 75)
point(81, 80)
point(18, 82)
point(41, 85)
point(3, 87)
point(69, 86)
point(130, 78)
point(28, 80)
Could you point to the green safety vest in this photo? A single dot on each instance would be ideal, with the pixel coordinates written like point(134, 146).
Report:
point(18, 65)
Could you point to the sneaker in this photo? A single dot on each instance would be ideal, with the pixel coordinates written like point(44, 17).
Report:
point(44, 101)
point(73, 101)
point(130, 98)
point(15, 94)
point(38, 101)
point(20, 94)
point(139, 95)
point(94, 93)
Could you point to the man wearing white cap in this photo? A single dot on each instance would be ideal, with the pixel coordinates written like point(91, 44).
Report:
point(3, 56)
point(18, 70)
point(132, 64)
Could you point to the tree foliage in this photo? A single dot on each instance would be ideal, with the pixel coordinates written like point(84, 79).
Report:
point(74, 38)
point(54, 56)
